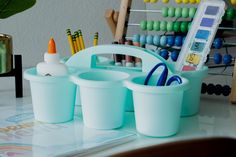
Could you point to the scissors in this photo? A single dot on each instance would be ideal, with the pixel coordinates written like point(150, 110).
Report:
point(163, 77)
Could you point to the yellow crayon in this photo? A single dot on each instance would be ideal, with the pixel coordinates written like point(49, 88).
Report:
point(74, 43)
point(69, 36)
point(77, 40)
point(95, 39)
point(81, 40)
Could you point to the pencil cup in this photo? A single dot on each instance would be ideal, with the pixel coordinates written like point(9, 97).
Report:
point(191, 97)
point(53, 97)
point(157, 108)
point(102, 98)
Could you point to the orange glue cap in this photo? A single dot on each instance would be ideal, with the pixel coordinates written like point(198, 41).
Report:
point(52, 46)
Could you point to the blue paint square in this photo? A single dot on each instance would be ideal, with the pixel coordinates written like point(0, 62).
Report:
point(212, 10)
point(202, 34)
point(207, 22)
point(198, 46)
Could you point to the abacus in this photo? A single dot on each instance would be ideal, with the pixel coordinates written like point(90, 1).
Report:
point(169, 35)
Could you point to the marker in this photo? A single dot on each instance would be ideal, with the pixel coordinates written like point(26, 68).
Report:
point(77, 40)
point(81, 40)
point(69, 37)
point(95, 39)
point(51, 65)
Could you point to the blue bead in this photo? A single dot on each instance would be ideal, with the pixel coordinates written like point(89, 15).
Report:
point(217, 58)
point(142, 39)
point(149, 39)
point(170, 40)
point(227, 59)
point(136, 38)
point(174, 55)
point(178, 41)
point(183, 39)
point(163, 40)
point(156, 40)
point(217, 43)
point(164, 53)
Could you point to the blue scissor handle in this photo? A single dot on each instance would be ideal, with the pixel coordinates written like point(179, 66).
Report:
point(162, 80)
point(174, 78)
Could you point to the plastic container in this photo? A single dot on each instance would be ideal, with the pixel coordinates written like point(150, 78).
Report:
point(157, 109)
point(191, 98)
point(102, 98)
point(53, 97)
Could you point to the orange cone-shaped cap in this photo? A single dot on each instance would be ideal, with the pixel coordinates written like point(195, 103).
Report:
point(52, 46)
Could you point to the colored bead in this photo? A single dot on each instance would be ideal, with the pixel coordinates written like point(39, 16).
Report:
point(227, 59)
point(185, 12)
point(226, 90)
point(178, 12)
point(233, 2)
point(150, 25)
point(189, 25)
point(176, 26)
point(153, 1)
point(217, 58)
point(136, 38)
point(192, 1)
point(230, 14)
point(149, 39)
point(156, 40)
point(169, 26)
point(184, 26)
point(143, 25)
point(165, 1)
point(178, 41)
point(218, 89)
point(217, 43)
point(163, 25)
point(183, 40)
point(164, 53)
point(171, 12)
point(210, 89)
point(163, 40)
point(170, 40)
point(204, 88)
point(156, 25)
point(198, 1)
point(185, 1)
point(146, 1)
point(178, 1)
point(164, 11)
point(174, 55)
point(142, 39)
point(192, 12)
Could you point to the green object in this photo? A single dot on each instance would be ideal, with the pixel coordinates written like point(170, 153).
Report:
point(12, 7)
point(178, 12)
point(164, 11)
point(170, 26)
point(230, 14)
point(171, 12)
point(185, 12)
point(163, 25)
point(150, 25)
point(176, 26)
point(192, 12)
point(143, 25)
point(156, 25)
point(3, 59)
point(184, 26)
point(189, 25)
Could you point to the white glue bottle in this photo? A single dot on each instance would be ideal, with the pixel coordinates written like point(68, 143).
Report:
point(51, 65)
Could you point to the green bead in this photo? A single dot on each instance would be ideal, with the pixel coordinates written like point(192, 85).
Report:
point(176, 27)
point(178, 12)
point(189, 25)
point(156, 26)
point(185, 12)
point(230, 14)
point(163, 25)
point(171, 12)
point(184, 26)
point(150, 25)
point(164, 11)
point(192, 12)
point(169, 26)
point(143, 25)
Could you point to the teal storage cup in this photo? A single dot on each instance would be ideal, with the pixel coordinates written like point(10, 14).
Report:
point(191, 98)
point(53, 97)
point(103, 97)
point(157, 108)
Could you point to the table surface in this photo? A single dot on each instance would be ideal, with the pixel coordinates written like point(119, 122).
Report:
point(217, 117)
